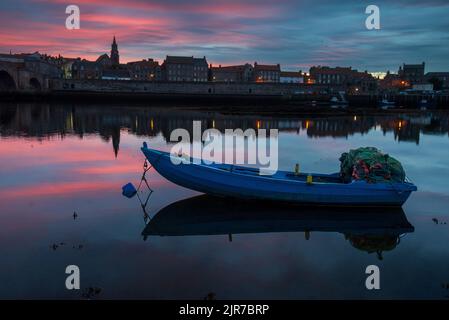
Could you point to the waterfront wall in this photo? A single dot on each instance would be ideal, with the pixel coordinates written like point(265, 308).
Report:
point(191, 88)
point(209, 92)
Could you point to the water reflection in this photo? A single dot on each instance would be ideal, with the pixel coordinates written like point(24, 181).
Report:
point(373, 230)
point(59, 159)
point(44, 120)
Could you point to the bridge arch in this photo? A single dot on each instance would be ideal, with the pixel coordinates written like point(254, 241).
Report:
point(35, 84)
point(7, 82)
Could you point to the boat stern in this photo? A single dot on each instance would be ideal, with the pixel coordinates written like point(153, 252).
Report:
point(405, 190)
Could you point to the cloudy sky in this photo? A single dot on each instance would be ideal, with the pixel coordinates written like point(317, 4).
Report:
point(295, 33)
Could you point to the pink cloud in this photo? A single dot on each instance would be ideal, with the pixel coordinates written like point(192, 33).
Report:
point(126, 21)
point(235, 8)
point(138, 25)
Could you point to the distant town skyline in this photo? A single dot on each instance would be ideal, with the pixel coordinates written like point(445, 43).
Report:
point(296, 34)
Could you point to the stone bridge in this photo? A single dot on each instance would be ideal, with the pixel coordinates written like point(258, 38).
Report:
point(18, 75)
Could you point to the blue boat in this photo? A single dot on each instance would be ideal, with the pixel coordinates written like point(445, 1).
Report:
point(247, 183)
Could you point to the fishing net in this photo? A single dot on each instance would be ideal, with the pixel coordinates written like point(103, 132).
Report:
point(370, 164)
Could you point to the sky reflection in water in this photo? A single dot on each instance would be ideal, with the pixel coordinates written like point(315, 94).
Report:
point(55, 160)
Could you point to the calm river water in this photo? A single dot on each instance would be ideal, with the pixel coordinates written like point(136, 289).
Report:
point(61, 173)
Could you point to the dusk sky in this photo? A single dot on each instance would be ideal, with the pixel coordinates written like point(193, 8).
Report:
point(296, 34)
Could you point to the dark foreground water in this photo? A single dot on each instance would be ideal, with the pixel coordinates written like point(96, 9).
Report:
point(57, 160)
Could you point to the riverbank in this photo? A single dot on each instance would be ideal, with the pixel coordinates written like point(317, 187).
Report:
point(220, 94)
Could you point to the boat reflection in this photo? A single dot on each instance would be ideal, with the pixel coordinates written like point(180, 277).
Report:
point(373, 230)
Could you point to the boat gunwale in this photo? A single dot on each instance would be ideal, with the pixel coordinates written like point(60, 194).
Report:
point(392, 186)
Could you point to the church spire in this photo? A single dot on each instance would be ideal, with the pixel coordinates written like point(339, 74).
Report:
point(115, 58)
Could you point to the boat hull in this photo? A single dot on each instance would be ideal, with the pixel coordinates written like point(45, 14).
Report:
point(246, 183)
